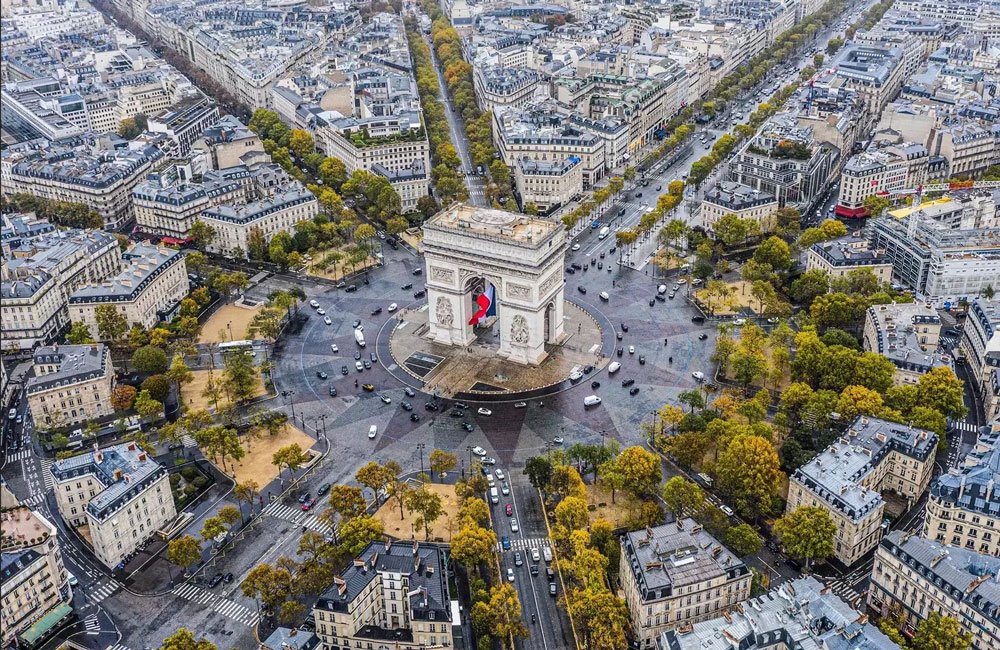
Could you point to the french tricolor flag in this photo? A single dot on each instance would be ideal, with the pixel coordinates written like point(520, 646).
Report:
point(487, 306)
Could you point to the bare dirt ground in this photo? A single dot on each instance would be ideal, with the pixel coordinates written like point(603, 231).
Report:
point(192, 393)
point(257, 462)
point(228, 320)
point(400, 528)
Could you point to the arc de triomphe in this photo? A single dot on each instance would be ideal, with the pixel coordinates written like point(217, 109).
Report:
point(521, 256)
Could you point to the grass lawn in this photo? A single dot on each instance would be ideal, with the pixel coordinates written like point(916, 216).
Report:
point(191, 393)
point(740, 299)
point(400, 528)
point(617, 513)
point(229, 319)
point(257, 462)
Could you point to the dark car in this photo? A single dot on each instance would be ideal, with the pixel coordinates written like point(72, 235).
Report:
point(549, 573)
point(216, 579)
point(333, 391)
point(619, 336)
point(652, 302)
point(633, 391)
point(642, 360)
point(430, 406)
point(177, 446)
point(374, 358)
point(409, 391)
point(569, 269)
point(588, 369)
point(323, 489)
point(414, 417)
point(467, 426)
point(406, 406)
point(351, 287)
point(697, 319)
point(407, 286)
point(660, 298)
point(367, 364)
point(595, 384)
point(621, 351)
point(582, 289)
point(456, 413)
point(461, 405)
point(624, 327)
point(343, 370)
point(576, 265)
point(376, 311)
point(417, 271)
point(228, 578)
point(419, 294)
point(357, 355)
point(627, 382)
point(304, 497)
point(534, 569)
point(321, 374)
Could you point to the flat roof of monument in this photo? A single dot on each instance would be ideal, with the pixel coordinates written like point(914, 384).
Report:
point(495, 224)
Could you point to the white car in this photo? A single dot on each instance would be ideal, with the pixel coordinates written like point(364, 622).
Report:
point(357, 364)
point(558, 440)
point(613, 368)
point(520, 405)
point(726, 509)
point(698, 375)
point(490, 481)
point(479, 451)
point(682, 281)
point(510, 575)
point(373, 431)
point(504, 489)
point(499, 473)
point(576, 375)
point(631, 349)
point(392, 307)
point(334, 348)
point(740, 321)
point(513, 526)
point(576, 247)
point(484, 411)
point(488, 460)
point(313, 304)
point(326, 319)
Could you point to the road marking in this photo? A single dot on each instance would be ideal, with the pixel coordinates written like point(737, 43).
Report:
point(92, 624)
point(194, 593)
point(103, 590)
point(237, 612)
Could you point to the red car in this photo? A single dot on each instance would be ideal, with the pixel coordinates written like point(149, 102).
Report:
point(308, 503)
point(510, 510)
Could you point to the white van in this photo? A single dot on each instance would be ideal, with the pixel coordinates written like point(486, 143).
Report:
point(613, 368)
point(494, 496)
point(605, 231)
point(662, 289)
point(359, 337)
point(604, 296)
point(591, 400)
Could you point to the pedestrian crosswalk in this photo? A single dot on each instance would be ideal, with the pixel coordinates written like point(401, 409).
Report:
point(518, 544)
point(225, 606)
point(118, 646)
point(18, 455)
point(47, 474)
point(92, 625)
point(33, 500)
point(963, 425)
point(845, 592)
point(103, 589)
point(297, 516)
point(239, 613)
point(194, 593)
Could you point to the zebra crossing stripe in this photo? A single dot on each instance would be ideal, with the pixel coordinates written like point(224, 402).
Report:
point(237, 612)
point(518, 544)
point(118, 646)
point(91, 623)
point(281, 511)
point(47, 474)
point(194, 594)
point(103, 590)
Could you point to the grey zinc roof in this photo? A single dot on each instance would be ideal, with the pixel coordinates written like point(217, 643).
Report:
point(144, 263)
point(24, 287)
point(897, 337)
point(972, 486)
point(76, 363)
point(801, 614)
point(127, 461)
point(737, 196)
point(676, 554)
point(835, 474)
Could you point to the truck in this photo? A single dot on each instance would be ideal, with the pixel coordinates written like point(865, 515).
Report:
point(605, 231)
point(359, 336)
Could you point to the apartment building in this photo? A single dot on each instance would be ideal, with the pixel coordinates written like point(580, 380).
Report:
point(785, 160)
point(167, 207)
point(393, 594)
point(119, 493)
point(890, 169)
point(230, 143)
point(500, 87)
point(98, 172)
point(744, 201)
point(841, 257)
point(801, 613)
point(276, 213)
point(70, 384)
point(874, 72)
point(917, 576)
point(35, 594)
point(184, 124)
point(958, 210)
point(941, 264)
point(40, 274)
point(963, 507)
point(969, 148)
point(411, 183)
point(284, 638)
point(980, 349)
point(547, 183)
point(147, 291)
point(18, 228)
point(34, 107)
point(847, 478)
point(908, 335)
point(677, 574)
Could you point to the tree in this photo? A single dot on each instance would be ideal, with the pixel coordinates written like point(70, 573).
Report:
point(474, 512)
point(373, 476)
point(146, 406)
point(79, 334)
point(505, 613)
point(149, 360)
point(359, 532)
point(428, 506)
point(157, 386)
point(731, 230)
point(301, 142)
point(835, 309)
point(604, 618)
point(122, 397)
point(111, 323)
point(941, 390)
point(743, 540)
point(640, 470)
point(179, 373)
point(810, 284)
point(875, 205)
point(473, 545)
point(201, 235)
point(230, 514)
point(807, 532)
point(442, 462)
point(246, 492)
point(693, 398)
point(937, 632)
point(571, 514)
point(346, 501)
point(184, 551)
point(833, 45)
point(538, 469)
point(774, 251)
point(241, 376)
point(267, 584)
point(184, 640)
point(682, 497)
point(748, 472)
point(212, 528)
point(290, 457)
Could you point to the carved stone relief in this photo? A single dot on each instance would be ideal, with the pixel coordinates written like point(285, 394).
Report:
point(443, 312)
point(519, 330)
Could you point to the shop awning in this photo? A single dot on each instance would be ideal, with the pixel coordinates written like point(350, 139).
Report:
point(42, 626)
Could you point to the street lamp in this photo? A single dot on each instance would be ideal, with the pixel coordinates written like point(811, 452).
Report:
point(323, 418)
point(469, 449)
point(288, 395)
point(420, 450)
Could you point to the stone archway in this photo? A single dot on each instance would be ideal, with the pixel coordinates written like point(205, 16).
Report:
point(521, 256)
